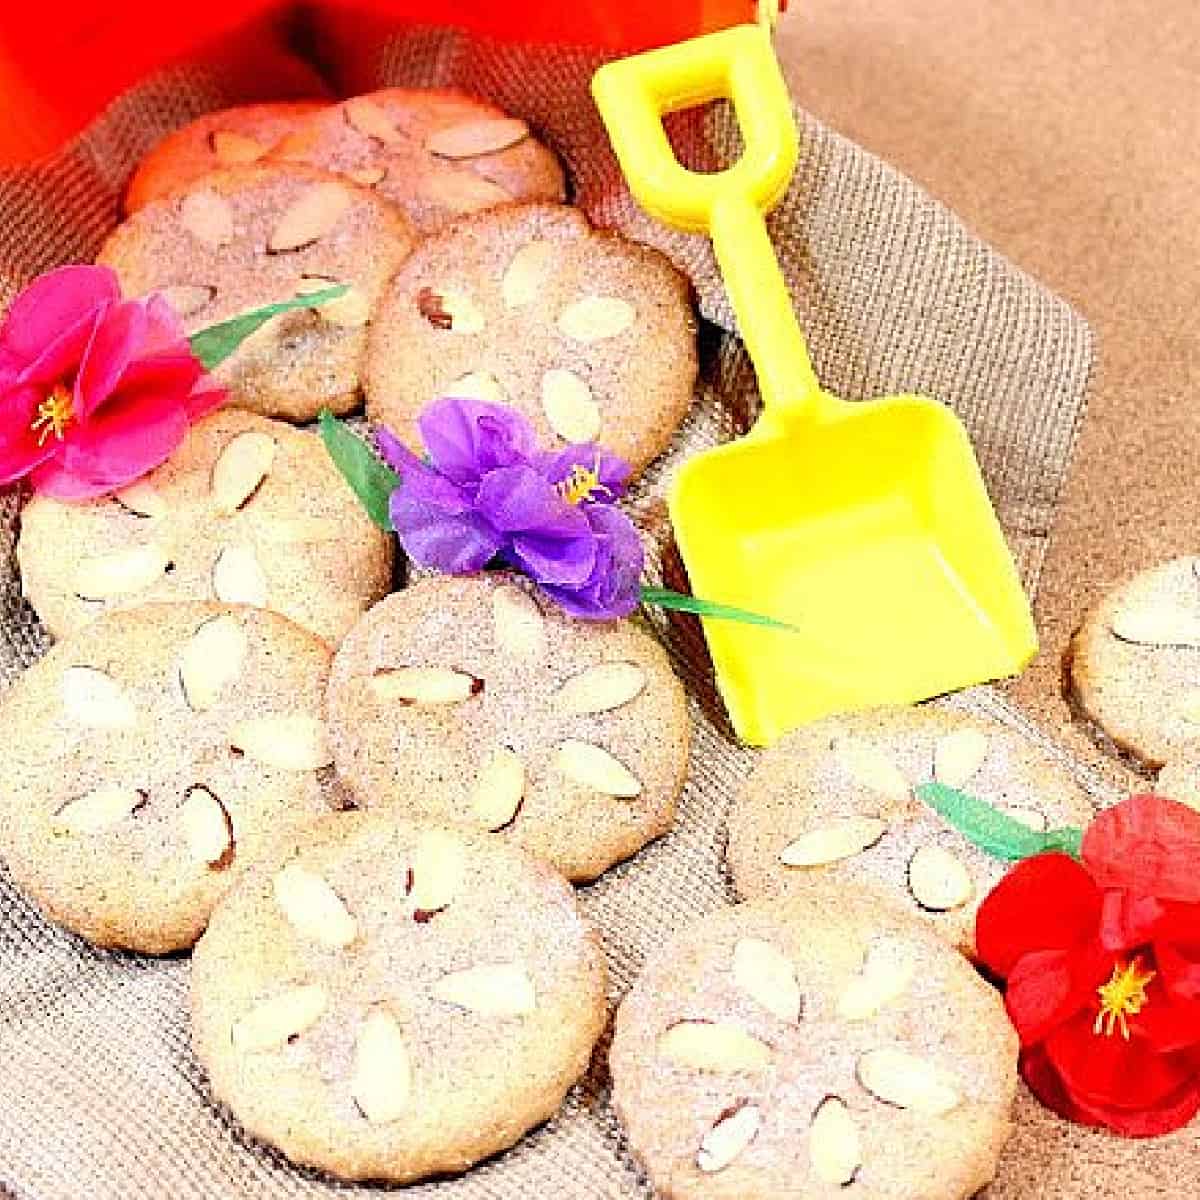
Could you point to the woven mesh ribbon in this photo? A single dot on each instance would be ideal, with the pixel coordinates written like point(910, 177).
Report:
point(101, 1095)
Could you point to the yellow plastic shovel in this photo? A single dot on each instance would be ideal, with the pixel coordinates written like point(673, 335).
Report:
point(866, 526)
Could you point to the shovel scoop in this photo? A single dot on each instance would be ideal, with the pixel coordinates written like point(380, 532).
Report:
point(865, 527)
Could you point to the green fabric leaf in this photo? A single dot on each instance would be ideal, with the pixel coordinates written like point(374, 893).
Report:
point(370, 480)
point(664, 598)
point(994, 832)
point(212, 346)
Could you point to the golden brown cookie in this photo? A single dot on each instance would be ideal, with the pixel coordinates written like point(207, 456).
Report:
point(436, 154)
point(247, 510)
point(591, 337)
point(470, 699)
point(1134, 664)
point(248, 236)
point(153, 758)
point(390, 1001)
point(231, 137)
point(821, 1045)
point(834, 801)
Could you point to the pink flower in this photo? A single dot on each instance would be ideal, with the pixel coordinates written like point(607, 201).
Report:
point(94, 390)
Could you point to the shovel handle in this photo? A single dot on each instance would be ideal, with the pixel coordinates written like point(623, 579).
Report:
point(737, 64)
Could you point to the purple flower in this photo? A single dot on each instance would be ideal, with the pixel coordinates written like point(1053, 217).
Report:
point(485, 494)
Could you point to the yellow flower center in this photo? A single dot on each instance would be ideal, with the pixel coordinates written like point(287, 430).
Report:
point(54, 414)
point(581, 484)
point(1123, 995)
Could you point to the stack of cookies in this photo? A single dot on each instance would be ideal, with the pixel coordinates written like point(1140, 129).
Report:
point(365, 808)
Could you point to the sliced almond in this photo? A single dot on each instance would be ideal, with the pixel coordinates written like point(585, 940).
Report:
point(768, 976)
point(208, 218)
point(1157, 624)
point(289, 741)
point(312, 907)
point(504, 990)
point(518, 627)
point(232, 148)
point(958, 755)
point(211, 659)
point(478, 385)
point(461, 191)
point(465, 315)
point(732, 1133)
point(438, 869)
point(498, 789)
point(295, 531)
point(528, 273)
point(367, 176)
point(1187, 708)
point(888, 968)
point(595, 318)
point(601, 688)
point(187, 299)
point(121, 572)
point(370, 120)
point(311, 216)
point(834, 1146)
point(422, 685)
point(570, 409)
point(899, 1078)
point(272, 1023)
point(98, 809)
point(871, 768)
point(207, 827)
point(95, 699)
point(381, 1079)
point(469, 139)
point(238, 579)
point(833, 842)
point(240, 468)
point(1028, 815)
point(938, 880)
point(593, 767)
point(713, 1046)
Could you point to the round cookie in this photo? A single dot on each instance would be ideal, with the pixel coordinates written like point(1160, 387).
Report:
point(436, 154)
point(1134, 664)
point(253, 235)
point(391, 1001)
point(229, 138)
point(810, 1046)
point(590, 336)
point(246, 510)
point(470, 699)
point(149, 761)
point(835, 799)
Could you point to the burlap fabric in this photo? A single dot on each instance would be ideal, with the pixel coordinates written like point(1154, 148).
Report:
point(99, 1094)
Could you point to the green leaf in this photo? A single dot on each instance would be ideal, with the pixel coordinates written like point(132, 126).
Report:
point(370, 480)
point(994, 832)
point(664, 598)
point(212, 346)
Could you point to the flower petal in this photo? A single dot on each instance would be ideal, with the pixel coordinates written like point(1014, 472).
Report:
point(164, 331)
point(1044, 903)
point(394, 452)
point(53, 302)
point(1179, 968)
point(1047, 987)
point(456, 544)
point(612, 470)
point(19, 449)
point(1128, 920)
point(466, 438)
point(59, 358)
point(614, 587)
point(551, 560)
point(114, 343)
point(1146, 844)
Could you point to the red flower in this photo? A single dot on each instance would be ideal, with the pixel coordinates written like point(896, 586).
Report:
point(94, 390)
point(1102, 963)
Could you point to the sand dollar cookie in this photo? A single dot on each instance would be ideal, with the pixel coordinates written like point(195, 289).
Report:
point(246, 511)
point(1134, 665)
point(231, 137)
point(834, 801)
point(436, 154)
point(149, 761)
point(470, 699)
point(237, 239)
point(389, 1000)
point(809, 1046)
point(589, 336)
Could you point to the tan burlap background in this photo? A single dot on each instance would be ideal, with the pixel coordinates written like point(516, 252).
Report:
point(99, 1094)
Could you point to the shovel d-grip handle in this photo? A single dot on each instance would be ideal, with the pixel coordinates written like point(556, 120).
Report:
point(738, 64)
